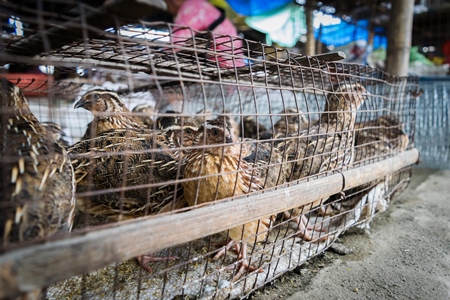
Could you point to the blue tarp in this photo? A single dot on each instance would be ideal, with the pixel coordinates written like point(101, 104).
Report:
point(256, 7)
point(344, 33)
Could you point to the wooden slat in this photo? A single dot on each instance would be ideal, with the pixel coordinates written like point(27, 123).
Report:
point(43, 264)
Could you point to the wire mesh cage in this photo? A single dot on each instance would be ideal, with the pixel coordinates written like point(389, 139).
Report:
point(432, 123)
point(218, 162)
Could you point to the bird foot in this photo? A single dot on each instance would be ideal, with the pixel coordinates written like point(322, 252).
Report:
point(143, 260)
point(222, 251)
point(244, 266)
point(306, 231)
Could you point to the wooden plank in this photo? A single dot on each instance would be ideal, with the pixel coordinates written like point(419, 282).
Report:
point(363, 174)
point(43, 264)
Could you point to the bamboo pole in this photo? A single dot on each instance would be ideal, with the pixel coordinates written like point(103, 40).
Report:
point(40, 265)
point(399, 37)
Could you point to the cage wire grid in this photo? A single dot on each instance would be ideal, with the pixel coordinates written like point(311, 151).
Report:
point(258, 111)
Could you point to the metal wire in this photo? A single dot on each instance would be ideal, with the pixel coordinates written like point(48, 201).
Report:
point(289, 141)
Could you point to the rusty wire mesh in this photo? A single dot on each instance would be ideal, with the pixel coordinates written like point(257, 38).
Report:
point(273, 98)
point(432, 123)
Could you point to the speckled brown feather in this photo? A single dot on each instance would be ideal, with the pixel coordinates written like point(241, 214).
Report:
point(55, 132)
point(375, 138)
point(292, 121)
point(266, 161)
point(252, 129)
point(379, 137)
point(144, 113)
point(37, 185)
point(151, 158)
point(226, 175)
point(329, 146)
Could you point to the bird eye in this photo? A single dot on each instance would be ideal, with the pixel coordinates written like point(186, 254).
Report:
point(215, 132)
point(188, 130)
point(97, 96)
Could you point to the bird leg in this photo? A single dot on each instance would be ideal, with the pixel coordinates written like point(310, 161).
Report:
point(242, 258)
point(222, 251)
point(244, 264)
point(143, 260)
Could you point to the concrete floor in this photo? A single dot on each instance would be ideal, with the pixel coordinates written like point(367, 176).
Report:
point(407, 254)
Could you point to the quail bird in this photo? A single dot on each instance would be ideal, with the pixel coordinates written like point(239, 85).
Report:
point(144, 113)
point(326, 147)
point(373, 139)
point(37, 197)
point(226, 175)
point(56, 133)
point(252, 128)
point(130, 169)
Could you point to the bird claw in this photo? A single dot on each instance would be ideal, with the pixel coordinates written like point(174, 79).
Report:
point(143, 260)
point(243, 266)
point(222, 251)
point(305, 230)
point(242, 258)
point(307, 235)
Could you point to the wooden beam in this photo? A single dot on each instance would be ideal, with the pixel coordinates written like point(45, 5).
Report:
point(40, 265)
point(399, 37)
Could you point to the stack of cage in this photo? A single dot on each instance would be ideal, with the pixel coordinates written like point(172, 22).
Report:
point(233, 168)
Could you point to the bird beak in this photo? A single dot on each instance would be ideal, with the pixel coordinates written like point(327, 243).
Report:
point(229, 139)
point(367, 94)
point(81, 103)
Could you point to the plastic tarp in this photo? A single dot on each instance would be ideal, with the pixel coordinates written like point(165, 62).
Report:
point(256, 7)
point(344, 33)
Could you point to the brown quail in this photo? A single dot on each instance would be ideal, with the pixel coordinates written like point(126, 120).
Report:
point(144, 113)
point(226, 176)
point(55, 132)
point(325, 147)
point(252, 129)
point(37, 197)
point(373, 139)
point(129, 173)
point(291, 121)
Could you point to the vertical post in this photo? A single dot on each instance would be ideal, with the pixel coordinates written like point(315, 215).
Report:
point(319, 47)
point(399, 37)
point(310, 41)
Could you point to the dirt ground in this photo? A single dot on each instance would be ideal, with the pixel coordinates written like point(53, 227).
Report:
point(406, 255)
